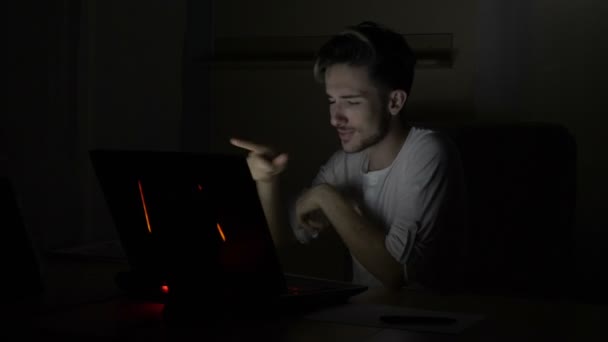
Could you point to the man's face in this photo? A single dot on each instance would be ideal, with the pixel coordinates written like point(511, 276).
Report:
point(356, 107)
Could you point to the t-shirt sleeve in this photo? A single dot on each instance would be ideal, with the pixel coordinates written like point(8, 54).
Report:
point(421, 196)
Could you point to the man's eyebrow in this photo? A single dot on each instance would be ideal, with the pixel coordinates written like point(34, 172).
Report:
point(351, 96)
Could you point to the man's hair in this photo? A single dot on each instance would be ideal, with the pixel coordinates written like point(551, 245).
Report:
point(386, 54)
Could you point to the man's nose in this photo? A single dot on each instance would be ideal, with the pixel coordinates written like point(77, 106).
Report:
point(337, 117)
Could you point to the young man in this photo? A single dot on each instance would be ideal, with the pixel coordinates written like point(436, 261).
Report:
point(389, 193)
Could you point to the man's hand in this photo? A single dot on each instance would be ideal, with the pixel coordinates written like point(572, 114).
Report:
point(310, 215)
point(264, 163)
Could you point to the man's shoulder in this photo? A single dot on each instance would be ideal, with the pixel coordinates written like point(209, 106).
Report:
point(427, 141)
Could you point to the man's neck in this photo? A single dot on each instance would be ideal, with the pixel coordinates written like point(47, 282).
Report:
point(382, 154)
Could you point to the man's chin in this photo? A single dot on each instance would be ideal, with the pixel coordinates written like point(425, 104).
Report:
point(358, 146)
point(350, 148)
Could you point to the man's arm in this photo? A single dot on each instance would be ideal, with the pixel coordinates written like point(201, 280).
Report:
point(266, 166)
point(364, 239)
point(275, 212)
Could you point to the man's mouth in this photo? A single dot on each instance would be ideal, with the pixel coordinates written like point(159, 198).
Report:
point(345, 134)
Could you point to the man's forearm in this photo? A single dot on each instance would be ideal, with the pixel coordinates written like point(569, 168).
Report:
point(275, 212)
point(364, 239)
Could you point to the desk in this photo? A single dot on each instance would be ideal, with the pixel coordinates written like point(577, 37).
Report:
point(82, 303)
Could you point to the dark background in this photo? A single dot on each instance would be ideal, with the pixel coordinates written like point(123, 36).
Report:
point(135, 75)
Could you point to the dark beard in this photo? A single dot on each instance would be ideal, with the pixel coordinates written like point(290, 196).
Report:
point(380, 134)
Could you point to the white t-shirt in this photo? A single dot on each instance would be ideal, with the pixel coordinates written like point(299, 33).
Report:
point(414, 199)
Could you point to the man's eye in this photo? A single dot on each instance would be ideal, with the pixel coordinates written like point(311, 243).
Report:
point(353, 102)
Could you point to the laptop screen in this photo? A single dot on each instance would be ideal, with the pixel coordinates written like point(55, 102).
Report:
point(192, 220)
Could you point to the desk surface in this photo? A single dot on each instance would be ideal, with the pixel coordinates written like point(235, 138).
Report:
point(82, 301)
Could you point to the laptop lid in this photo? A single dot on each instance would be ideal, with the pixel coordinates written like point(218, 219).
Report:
point(183, 215)
point(194, 221)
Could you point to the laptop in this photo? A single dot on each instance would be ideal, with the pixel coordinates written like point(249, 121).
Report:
point(194, 234)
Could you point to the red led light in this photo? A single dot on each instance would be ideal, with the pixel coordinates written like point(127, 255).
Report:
point(164, 289)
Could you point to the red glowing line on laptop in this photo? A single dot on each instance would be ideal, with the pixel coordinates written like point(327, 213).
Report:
point(219, 229)
point(143, 202)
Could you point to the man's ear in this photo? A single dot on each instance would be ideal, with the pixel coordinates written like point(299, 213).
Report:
point(396, 101)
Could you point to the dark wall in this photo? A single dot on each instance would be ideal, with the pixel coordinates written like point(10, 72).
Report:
point(40, 122)
point(544, 61)
point(83, 75)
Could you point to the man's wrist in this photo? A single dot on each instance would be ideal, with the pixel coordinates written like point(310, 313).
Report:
point(267, 183)
point(267, 188)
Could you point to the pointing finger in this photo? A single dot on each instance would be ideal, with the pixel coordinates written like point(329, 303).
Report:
point(250, 146)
